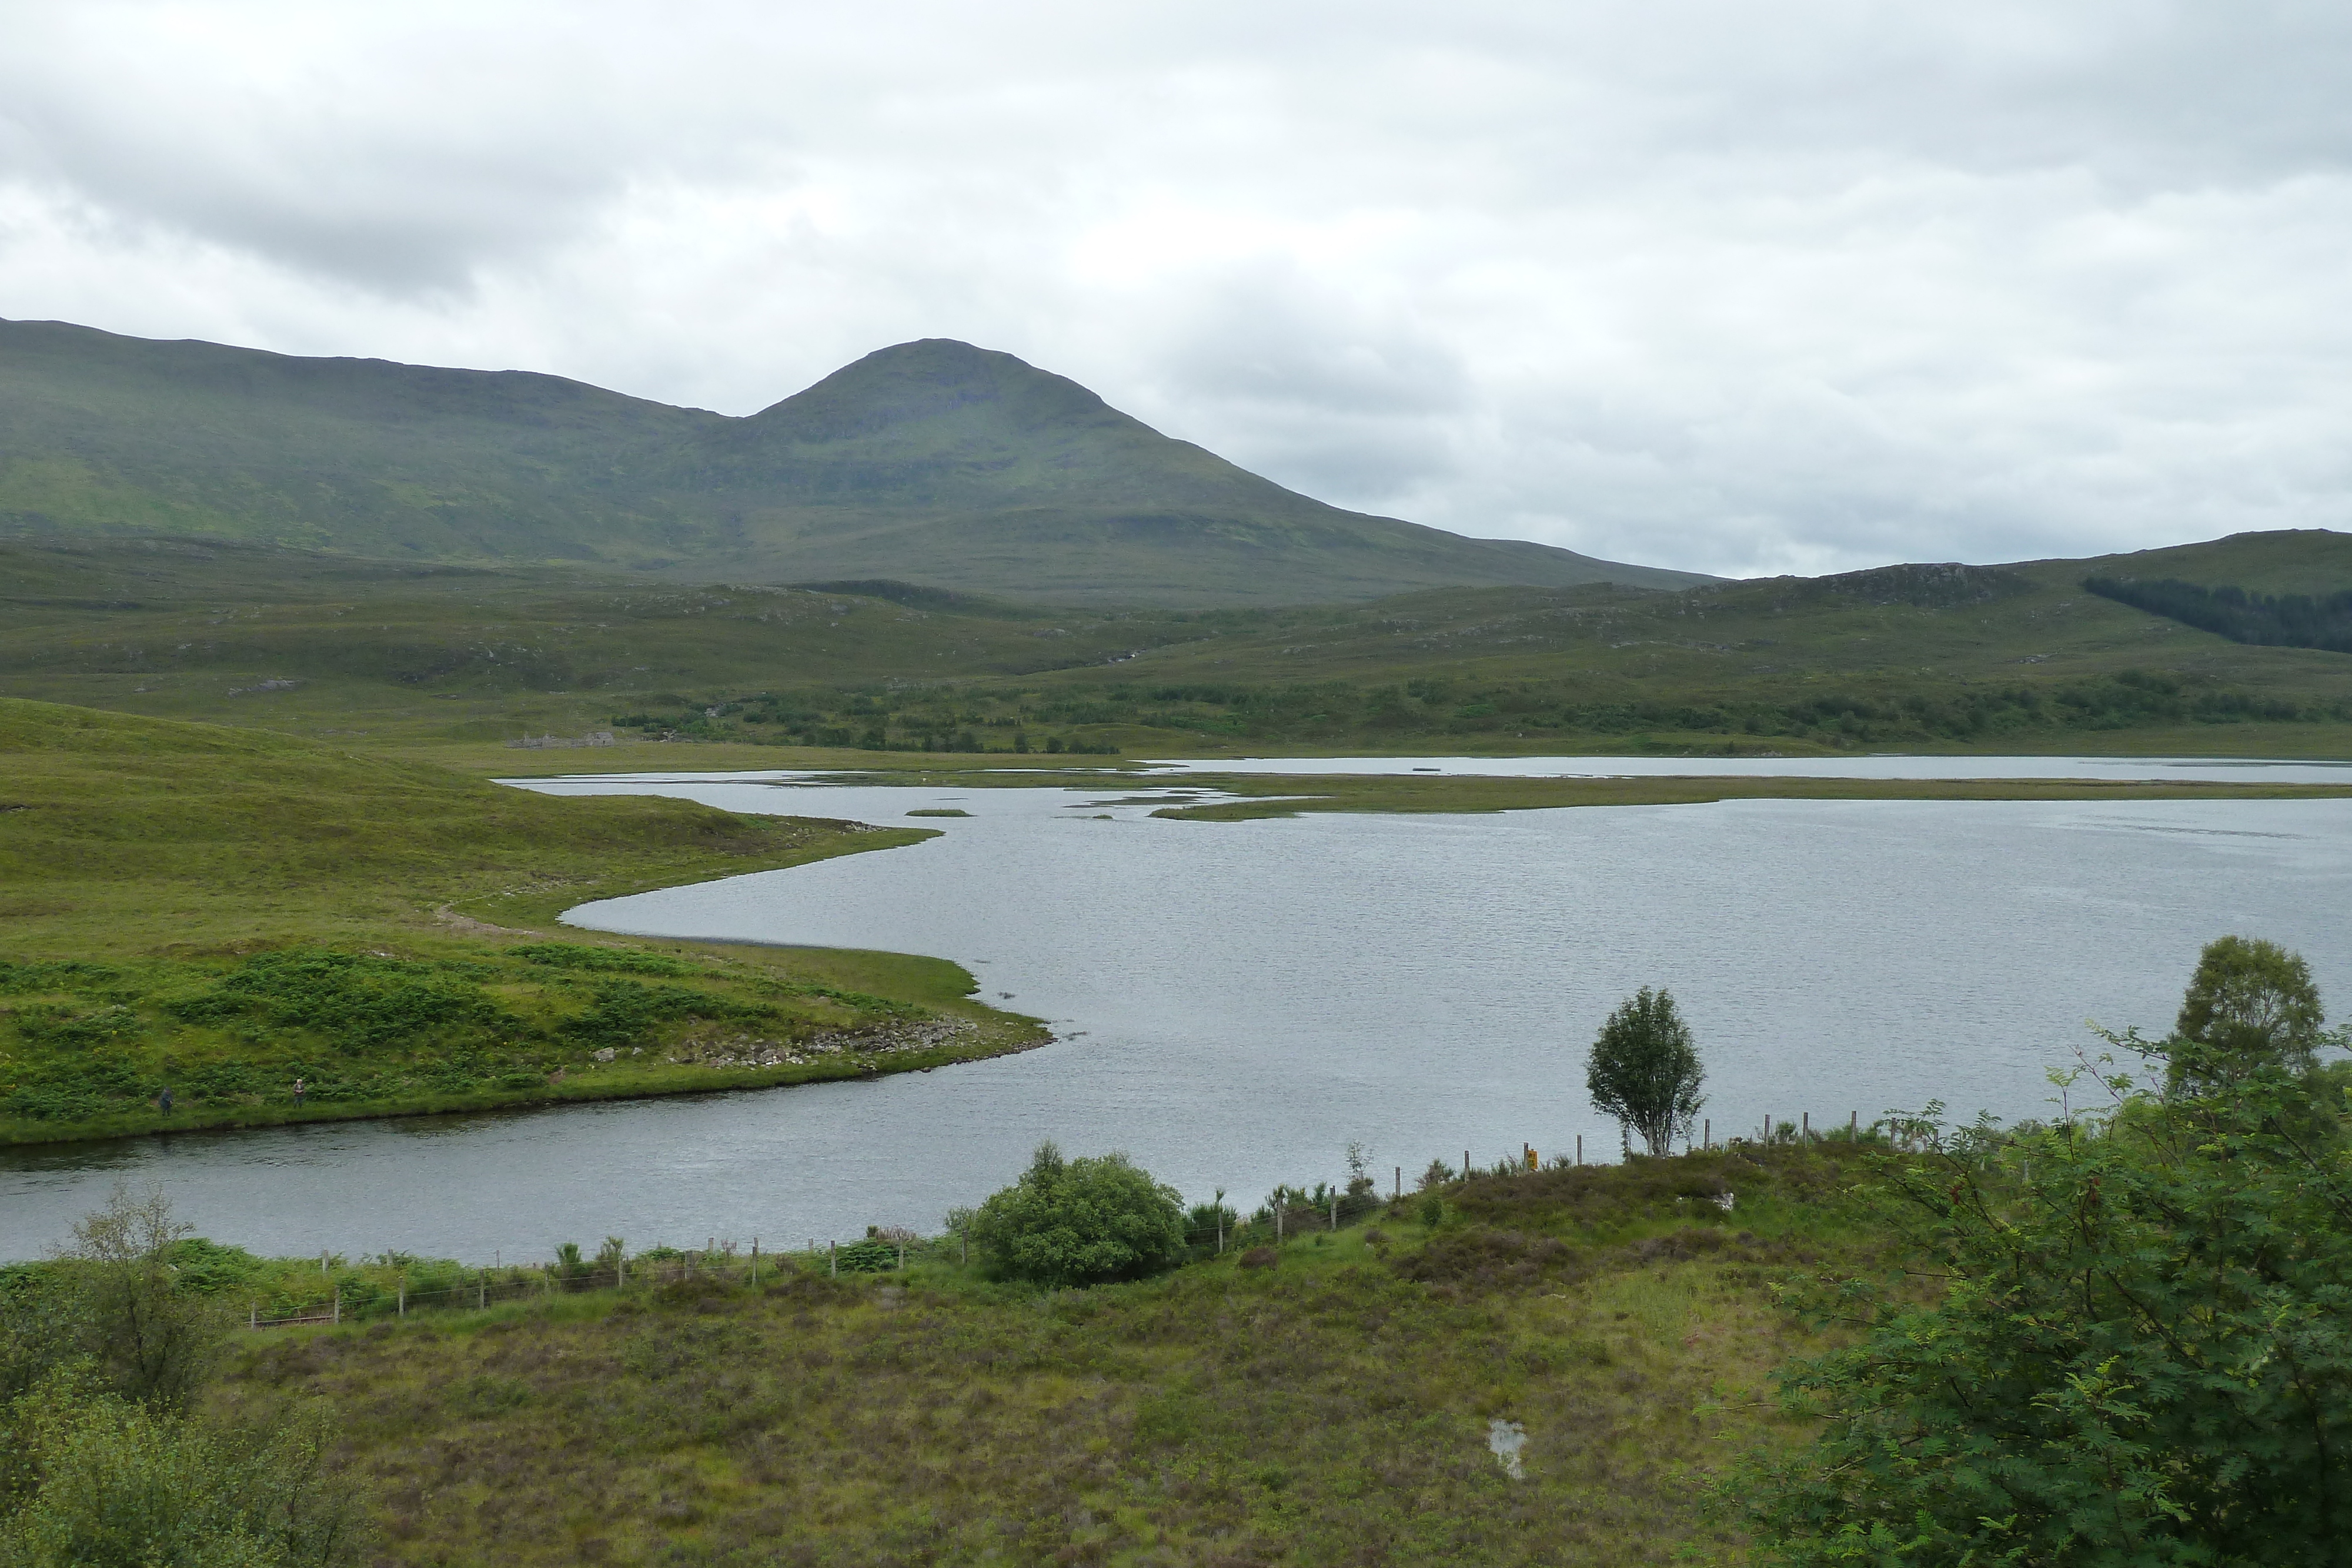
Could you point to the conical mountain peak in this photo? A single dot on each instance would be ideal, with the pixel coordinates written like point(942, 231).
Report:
point(929, 379)
point(934, 461)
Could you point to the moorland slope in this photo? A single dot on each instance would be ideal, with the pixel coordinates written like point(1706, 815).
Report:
point(1924, 655)
point(934, 461)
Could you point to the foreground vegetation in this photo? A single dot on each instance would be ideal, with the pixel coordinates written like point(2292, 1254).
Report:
point(2121, 1340)
point(1331, 1399)
point(225, 916)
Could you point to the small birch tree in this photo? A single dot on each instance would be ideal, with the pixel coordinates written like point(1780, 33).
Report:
point(1644, 1070)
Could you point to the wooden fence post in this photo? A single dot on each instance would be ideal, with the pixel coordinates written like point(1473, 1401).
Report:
point(1580, 1148)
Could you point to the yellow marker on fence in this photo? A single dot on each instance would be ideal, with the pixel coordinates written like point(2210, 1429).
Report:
point(1533, 1161)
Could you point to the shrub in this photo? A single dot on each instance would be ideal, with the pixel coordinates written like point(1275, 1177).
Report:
point(627, 1013)
point(871, 1256)
point(103, 1482)
point(1643, 1071)
point(356, 999)
point(1076, 1222)
point(2143, 1354)
point(206, 1268)
point(150, 1339)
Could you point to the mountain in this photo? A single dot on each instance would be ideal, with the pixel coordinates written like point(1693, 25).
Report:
point(933, 462)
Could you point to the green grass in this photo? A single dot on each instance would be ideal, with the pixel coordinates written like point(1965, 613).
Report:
point(1977, 659)
point(1333, 1408)
point(1275, 796)
point(220, 912)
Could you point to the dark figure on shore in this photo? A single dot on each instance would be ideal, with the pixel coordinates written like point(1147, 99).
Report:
point(298, 1092)
point(164, 1101)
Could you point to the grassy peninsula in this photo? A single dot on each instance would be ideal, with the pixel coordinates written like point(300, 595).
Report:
point(221, 913)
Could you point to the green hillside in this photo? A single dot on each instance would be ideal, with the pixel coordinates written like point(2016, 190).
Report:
point(107, 433)
point(936, 451)
point(1980, 657)
point(2286, 560)
point(931, 462)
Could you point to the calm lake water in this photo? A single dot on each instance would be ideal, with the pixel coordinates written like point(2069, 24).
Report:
point(1237, 1001)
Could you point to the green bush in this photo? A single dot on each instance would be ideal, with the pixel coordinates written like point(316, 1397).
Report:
point(206, 1267)
point(626, 1012)
point(2142, 1355)
point(358, 1000)
point(149, 1338)
point(868, 1257)
point(103, 1482)
point(1077, 1222)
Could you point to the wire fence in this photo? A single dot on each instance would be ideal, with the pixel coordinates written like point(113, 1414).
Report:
point(355, 1296)
point(1211, 1229)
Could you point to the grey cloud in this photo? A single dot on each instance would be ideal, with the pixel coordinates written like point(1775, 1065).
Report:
point(1711, 283)
point(1269, 333)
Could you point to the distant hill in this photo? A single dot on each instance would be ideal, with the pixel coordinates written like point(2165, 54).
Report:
point(2312, 561)
point(933, 463)
point(1941, 655)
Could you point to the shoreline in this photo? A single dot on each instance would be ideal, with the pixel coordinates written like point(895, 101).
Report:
point(994, 1041)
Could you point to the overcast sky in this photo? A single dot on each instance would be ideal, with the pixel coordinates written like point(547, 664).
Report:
point(1736, 286)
